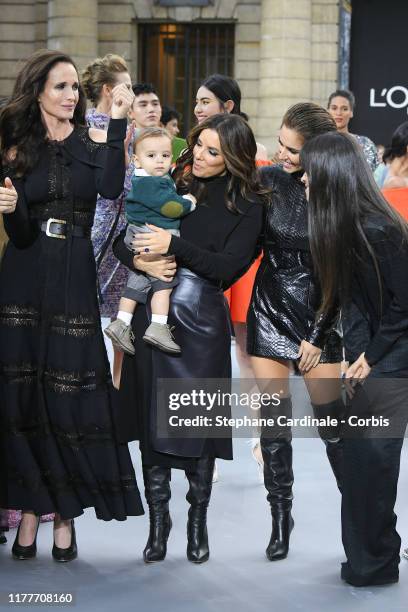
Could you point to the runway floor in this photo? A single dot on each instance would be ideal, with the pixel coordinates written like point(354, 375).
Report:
point(110, 576)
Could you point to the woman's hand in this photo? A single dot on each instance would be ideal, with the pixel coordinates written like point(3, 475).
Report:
point(359, 370)
point(122, 100)
point(129, 137)
point(309, 356)
point(157, 242)
point(8, 197)
point(355, 374)
point(164, 268)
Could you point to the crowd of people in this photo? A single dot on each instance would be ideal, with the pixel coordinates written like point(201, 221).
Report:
point(109, 213)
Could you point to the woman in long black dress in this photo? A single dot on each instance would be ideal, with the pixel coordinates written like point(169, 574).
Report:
point(57, 427)
point(364, 266)
point(216, 246)
point(282, 323)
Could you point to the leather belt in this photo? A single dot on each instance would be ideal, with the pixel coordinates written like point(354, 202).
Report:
point(58, 228)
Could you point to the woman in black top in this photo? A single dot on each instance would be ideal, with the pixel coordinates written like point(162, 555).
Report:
point(364, 267)
point(282, 322)
point(56, 417)
point(217, 244)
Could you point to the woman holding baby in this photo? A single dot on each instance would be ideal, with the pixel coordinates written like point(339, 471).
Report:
point(217, 243)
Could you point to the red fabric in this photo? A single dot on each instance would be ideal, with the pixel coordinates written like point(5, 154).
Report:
point(239, 295)
point(398, 198)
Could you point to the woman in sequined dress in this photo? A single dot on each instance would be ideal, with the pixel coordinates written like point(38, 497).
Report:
point(341, 107)
point(58, 435)
point(282, 324)
point(98, 79)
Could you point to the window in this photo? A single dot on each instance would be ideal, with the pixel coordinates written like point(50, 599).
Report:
point(184, 2)
point(177, 57)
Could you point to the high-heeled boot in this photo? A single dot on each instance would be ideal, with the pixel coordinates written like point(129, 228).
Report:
point(198, 496)
point(330, 435)
point(157, 492)
point(276, 446)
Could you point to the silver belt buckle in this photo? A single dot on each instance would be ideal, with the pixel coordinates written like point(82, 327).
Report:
point(48, 231)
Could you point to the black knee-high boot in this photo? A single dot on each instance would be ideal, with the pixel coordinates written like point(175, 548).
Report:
point(198, 496)
point(276, 446)
point(330, 435)
point(157, 492)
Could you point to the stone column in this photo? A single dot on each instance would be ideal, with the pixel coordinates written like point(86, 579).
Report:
point(73, 28)
point(285, 63)
point(17, 36)
point(325, 48)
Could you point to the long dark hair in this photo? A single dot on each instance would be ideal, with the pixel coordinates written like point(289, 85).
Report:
point(342, 192)
point(21, 127)
point(399, 143)
point(238, 147)
point(225, 88)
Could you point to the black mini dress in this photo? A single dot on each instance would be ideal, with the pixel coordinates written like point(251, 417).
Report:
point(286, 296)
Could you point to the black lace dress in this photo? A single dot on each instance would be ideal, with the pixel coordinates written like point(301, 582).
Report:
point(56, 402)
point(286, 297)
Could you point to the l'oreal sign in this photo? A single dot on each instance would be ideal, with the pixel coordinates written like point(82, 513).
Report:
point(396, 97)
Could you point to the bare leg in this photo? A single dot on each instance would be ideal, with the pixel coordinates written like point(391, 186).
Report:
point(117, 367)
point(324, 383)
point(161, 302)
point(127, 305)
point(264, 370)
point(272, 375)
point(246, 372)
point(62, 532)
point(28, 528)
point(244, 360)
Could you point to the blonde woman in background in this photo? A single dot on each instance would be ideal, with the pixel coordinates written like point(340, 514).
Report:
point(98, 79)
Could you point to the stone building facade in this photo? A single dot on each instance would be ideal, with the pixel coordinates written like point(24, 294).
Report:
point(284, 50)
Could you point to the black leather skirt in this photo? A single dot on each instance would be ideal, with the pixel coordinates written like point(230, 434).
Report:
point(200, 315)
point(201, 318)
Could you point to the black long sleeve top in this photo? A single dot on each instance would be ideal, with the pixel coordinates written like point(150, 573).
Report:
point(65, 182)
point(286, 293)
point(376, 322)
point(214, 242)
